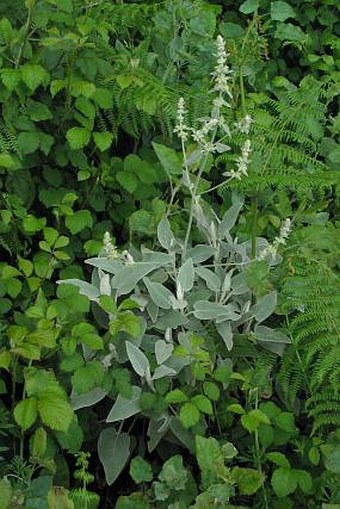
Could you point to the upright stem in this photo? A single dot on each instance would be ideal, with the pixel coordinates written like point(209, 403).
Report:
point(254, 209)
point(25, 36)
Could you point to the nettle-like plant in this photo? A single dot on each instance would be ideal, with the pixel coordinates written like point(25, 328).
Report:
point(174, 314)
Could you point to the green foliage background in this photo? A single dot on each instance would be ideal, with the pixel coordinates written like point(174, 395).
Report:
point(86, 89)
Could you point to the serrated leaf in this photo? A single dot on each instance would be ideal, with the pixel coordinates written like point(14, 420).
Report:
point(284, 482)
point(176, 396)
point(203, 404)
point(248, 480)
point(253, 419)
point(33, 75)
point(189, 415)
point(55, 412)
point(138, 360)
point(278, 459)
point(186, 275)
point(26, 413)
point(127, 180)
point(304, 480)
point(39, 443)
point(78, 137)
point(28, 142)
point(78, 221)
point(280, 11)
point(140, 470)
point(125, 408)
point(113, 451)
point(211, 390)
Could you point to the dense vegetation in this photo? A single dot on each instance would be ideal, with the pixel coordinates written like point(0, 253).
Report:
point(169, 275)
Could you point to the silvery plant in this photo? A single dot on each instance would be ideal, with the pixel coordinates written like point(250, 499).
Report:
point(182, 302)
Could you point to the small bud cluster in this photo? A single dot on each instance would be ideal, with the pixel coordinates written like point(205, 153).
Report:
point(244, 124)
point(242, 163)
point(110, 249)
point(221, 74)
point(271, 250)
point(181, 129)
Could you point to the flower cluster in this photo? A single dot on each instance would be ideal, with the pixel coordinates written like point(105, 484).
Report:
point(242, 163)
point(222, 72)
point(271, 250)
point(110, 249)
point(181, 129)
point(244, 124)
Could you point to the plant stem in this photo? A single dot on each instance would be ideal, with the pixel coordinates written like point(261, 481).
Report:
point(254, 209)
point(25, 37)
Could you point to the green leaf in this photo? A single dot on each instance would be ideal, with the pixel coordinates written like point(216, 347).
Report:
point(10, 78)
point(203, 404)
point(284, 482)
point(286, 422)
point(6, 161)
point(125, 407)
point(138, 360)
point(127, 180)
point(140, 470)
point(39, 442)
point(189, 415)
point(103, 98)
point(211, 461)
point(211, 390)
point(79, 221)
point(279, 459)
point(186, 275)
point(38, 111)
point(176, 396)
point(87, 377)
point(26, 413)
point(28, 142)
point(206, 310)
point(72, 439)
point(113, 451)
point(169, 159)
point(5, 493)
point(249, 481)
point(127, 278)
point(78, 137)
point(103, 140)
point(159, 293)
point(165, 236)
point(229, 219)
point(236, 408)
point(163, 351)
point(304, 480)
point(280, 11)
point(249, 6)
point(34, 75)
point(54, 411)
point(265, 306)
point(290, 33)
point(332, 460)
point(254, 419)
point(225, 331)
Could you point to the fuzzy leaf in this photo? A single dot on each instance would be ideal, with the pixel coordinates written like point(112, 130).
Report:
point(160, 295)
point(165, 235)
point(125, 408)
point(265, 306)
point(186, 275)
point(138, 359)
point(163, 350)
point(169, 159)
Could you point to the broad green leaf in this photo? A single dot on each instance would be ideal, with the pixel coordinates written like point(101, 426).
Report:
point(290, 33)
point(164, 234)
point(79, 221)
point(332, 460)
point(211, 390)
point(125, 408)
point(284, 481)
point(263, 333)
point(189, 415)
point(169, 159)
point(87, 377)
point(203, 404)
point(78, 137)
point(140, 470)
point(286, 422)
point(253, 419)
point(103, 98)
point(38, 111)
point(210, 460)
point(248, 480)
point(33, 75)
point(10, 78)
point(138, 360)
point(72, 439)
point(186, 275)
point(28, 142)
point(127, 180)
point(113, 451)
point(58, 497)
point(6, 161)
point(103, 140)
point(159, 293)
point(176, 396)
point(280, 11)
point(236, 408)
point(163, 351)
point(163, 371)
point(265, 306)
point(26, 413)
point(249, 6)
point(304, 480)
point(55, 412)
